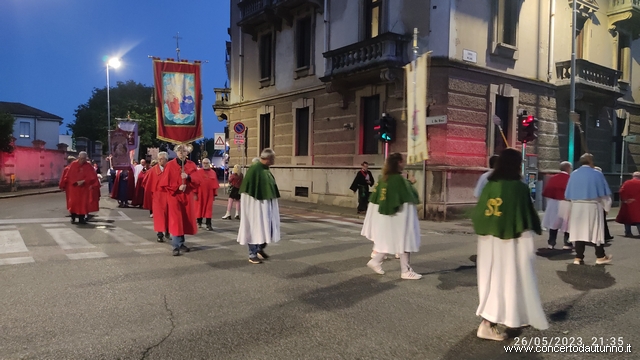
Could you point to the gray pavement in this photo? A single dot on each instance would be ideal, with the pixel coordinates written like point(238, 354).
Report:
point(109, 291)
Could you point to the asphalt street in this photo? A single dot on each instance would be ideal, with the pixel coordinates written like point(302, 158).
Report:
point(107, 290)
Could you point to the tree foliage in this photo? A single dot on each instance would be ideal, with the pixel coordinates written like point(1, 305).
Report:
point(127, 98)
point(7, 121)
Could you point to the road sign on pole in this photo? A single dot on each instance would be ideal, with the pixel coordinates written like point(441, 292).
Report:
point(239, 128)
point(220, 141)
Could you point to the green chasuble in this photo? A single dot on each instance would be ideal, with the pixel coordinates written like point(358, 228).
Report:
point(391, 194)
point(505, 210)
point(259, 183)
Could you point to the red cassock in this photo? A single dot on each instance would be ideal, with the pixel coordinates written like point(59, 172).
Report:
point(79, 194)
point(182, 215)
point(207, 191)
point(629, 212)
point(158, 197)
point(147, 202)
point(556, 186)
point(138, 197)
point(63, 184)
point(131, 185)
point(94, 197)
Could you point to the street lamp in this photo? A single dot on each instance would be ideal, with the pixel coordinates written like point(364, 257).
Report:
point(114, 63)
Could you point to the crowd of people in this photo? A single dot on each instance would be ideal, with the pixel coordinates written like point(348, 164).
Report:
point(180, 195)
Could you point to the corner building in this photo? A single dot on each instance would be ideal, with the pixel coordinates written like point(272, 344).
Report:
point(309, 78)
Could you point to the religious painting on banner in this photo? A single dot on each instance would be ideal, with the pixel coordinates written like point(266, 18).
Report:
point(119, 147)
point(131, 130)
point(178, 105)
point(417, 150)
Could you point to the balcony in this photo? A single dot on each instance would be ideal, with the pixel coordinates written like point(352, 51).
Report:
point(592, 80)
point(254, 13)
point(369, 61)
point(223, 103)
point(625, 14)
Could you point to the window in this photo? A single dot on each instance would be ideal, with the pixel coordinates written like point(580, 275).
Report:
point(265, 131)
point(25, 129)
point(617, 139)
point(624, 56)
point(580, 44)
point(503, 111)
point(507, 21)
point(302, 131)
point(266, 56)
point(370, 114)
point(373, 21)
point(303, 43)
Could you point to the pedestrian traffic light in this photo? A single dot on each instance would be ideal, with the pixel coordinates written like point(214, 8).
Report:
point(385, 128)
point(527, 128)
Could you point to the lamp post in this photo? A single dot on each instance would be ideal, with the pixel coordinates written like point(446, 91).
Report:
point(114, 63)
point(572, 91)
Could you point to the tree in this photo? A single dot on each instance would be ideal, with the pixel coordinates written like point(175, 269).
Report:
point(127, 98)
point(7, 121)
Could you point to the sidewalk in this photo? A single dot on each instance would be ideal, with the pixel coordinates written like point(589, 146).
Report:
point(27, 192)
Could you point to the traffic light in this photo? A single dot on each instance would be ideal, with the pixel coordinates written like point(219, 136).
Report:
point(385, 128)
point(527, 128)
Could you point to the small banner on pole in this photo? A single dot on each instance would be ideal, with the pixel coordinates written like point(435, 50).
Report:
point(120, 153)
point(178, 105)
point(417, 150)
point(131, 130)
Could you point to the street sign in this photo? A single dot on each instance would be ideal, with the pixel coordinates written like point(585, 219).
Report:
point(239, 141)
point(220, 142)
point(239, 128)
point(436, 120)
point(631, 138)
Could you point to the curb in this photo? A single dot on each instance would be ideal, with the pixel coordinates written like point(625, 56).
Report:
point(12, 195)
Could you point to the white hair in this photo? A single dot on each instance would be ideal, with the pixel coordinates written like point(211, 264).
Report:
point(267, 154)
point(185, 147)
point(163, 154)
point(81, 153)
point(206, 160)
point(255, 160)
point(565, 165)
point(636, 175)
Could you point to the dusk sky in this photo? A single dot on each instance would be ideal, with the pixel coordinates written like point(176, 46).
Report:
point(53, 50)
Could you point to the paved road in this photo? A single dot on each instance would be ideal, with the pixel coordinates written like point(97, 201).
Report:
point(109, 291)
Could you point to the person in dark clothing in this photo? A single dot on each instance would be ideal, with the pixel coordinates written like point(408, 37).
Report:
point(361, 184)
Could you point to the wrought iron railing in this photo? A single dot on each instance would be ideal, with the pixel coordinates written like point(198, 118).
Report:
point(251, 7)
point(589, 72)
point(386, 48)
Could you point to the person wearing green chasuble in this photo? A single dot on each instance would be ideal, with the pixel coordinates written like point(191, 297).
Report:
point(392, 219)
point(259, 211)
point(505, 221)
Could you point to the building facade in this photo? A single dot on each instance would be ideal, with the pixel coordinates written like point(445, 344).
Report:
point(33, 124)
point(309, 78)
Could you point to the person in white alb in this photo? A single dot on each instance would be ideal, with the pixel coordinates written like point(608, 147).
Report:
point(484, 178)
point(589, 194)
point(556, 215)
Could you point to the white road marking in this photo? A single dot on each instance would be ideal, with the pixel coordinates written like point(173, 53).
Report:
point(126, 237)
point(152, 251)
point(15, 261)
point(305, 241)
point(143, 222)
point(87, 255)
point(53, 225)
point(149, 228)
point(11, 242)
point(338, 222)
point(69, 239)
point(123, 215)
point(8, 227)
point(344, 238)
point(230, 236)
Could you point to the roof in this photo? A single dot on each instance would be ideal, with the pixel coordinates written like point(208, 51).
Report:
point(20, 109)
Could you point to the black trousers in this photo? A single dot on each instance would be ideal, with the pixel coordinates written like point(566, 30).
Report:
point(553, 235)
point(607, 234)
point(363, 198)
point(208, 221)
point(580, 247)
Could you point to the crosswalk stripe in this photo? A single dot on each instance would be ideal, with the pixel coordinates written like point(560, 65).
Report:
point(305, 241)
point(344, 238)
point(126, 237)
point(15, 261)
point(87, 255)
point(151, 251)
point(143, 222)
point(69, 239)
point(8, 227)
point(339, 222)
point(11, 242)
point(53, 225)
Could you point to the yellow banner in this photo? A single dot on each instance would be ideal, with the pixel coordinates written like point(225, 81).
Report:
point(417, 150)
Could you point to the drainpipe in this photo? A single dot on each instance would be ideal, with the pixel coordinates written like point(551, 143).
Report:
point(552, 30)
point(241, 66)
point(327, 30)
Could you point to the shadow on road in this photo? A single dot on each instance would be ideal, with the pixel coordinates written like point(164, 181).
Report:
point(473, 348)
point(347, 293)
point(586, 277)
point(463, 276)
point(555, 254)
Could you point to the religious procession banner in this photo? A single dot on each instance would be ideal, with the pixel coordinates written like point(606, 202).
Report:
point(119, 147)
point(417, 150)
point(178, 101)
point(131, 130)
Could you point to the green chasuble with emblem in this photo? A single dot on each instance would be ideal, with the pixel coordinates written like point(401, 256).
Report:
point(392, 193)
point(259, 183)
point(505, 210)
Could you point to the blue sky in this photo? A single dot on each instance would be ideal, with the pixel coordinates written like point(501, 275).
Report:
point(52, 50)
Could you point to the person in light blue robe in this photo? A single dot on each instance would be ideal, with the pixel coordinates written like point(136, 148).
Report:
point(589, 194)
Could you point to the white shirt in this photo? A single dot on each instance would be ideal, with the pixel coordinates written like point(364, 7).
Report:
point(484, 179)
point(136, 171)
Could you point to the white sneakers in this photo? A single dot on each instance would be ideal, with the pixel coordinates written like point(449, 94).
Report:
point(410, 275)
point(488, 332)
point(375, 267)
point(604, 260)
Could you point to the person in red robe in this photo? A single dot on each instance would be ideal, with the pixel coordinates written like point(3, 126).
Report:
point(62, 184)
point(147, 201)
point(79, 179)
point(124, 187)
point(94, 194)
point(180, 182)
point(207, 191)
point(158, 197)
point(629, 213)
point(556, 216)
point(138, 196)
